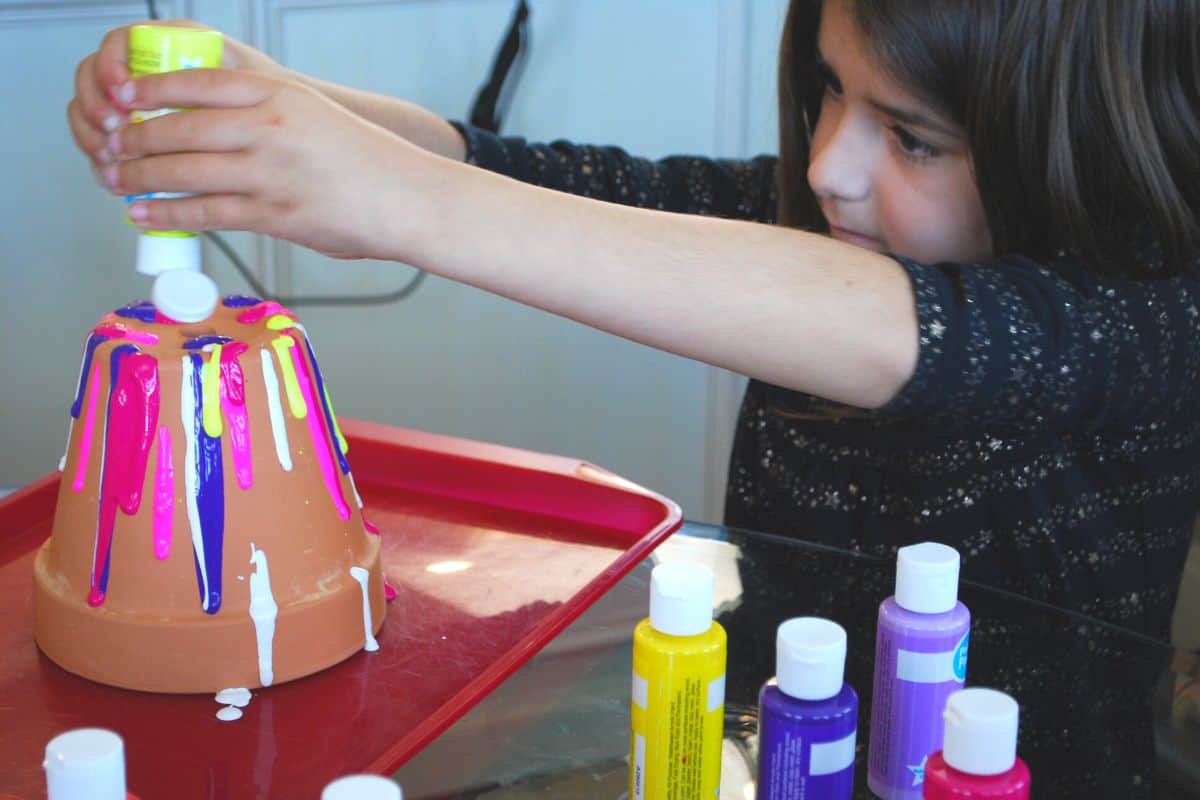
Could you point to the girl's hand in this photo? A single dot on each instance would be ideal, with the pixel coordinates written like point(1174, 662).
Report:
point(95, 111)
point(265, 155)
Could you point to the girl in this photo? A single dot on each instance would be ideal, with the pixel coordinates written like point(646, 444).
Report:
point(974, 318)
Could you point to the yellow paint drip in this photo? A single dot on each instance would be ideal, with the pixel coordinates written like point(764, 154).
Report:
point(210, 387)
point(337, 430)
point(279, 322)
point(283, 345)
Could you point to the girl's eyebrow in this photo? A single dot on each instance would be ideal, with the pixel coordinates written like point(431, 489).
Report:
point(911, 117)
point(905, 115)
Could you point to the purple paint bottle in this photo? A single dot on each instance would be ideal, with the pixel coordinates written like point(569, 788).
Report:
point(920, 660)
point(807, 716)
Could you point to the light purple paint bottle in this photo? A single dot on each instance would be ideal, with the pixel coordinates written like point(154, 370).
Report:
point(807, 716)
point(920, 660)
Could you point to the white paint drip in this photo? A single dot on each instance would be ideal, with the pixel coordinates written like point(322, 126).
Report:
point(275, 410)
point(239, 697)
point(229, 714)
point(187, 414)
point(263, 611)
point(62, 462)
point(357, 498)
point(363, 577)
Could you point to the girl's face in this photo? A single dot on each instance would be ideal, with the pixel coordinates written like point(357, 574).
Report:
point(890, 174)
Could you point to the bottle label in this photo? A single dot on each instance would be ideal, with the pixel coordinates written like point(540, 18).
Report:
point(716, 694)
point(639, 767)
point(826, 758)
point(960, 658)
point(917, 667)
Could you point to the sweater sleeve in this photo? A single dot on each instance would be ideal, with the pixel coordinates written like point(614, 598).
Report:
point(729, 188)
point(1015, 342)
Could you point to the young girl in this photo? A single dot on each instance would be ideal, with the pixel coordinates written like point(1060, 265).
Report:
point(972, 318)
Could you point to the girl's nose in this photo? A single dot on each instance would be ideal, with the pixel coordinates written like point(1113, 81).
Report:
point(840, 162)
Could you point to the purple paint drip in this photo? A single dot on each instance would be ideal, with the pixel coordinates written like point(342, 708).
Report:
point(210, 498)
point(89, 350)
point(200, 342)
point(142, 310)
point(115, 358)
point(240, 301)
point(324, 398)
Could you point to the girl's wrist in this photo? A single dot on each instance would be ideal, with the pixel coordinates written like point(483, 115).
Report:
point(420, 188)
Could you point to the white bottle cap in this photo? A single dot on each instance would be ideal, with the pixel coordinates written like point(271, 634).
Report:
point(362, 787)
point(185, 296)
point(159, 254)
point(810, 658)
point(981, 731)
point(681, 598)
point(85, 764)
point(927, 578)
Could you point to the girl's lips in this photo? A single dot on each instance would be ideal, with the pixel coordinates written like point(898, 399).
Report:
point(853, 237)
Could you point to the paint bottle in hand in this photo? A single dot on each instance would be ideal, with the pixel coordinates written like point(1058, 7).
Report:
point(979, 758)
point(807, 716)
point(920, 660)
point(156, 49)
point(678, 704)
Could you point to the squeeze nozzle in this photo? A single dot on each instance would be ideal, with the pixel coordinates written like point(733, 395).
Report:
point(185, 296)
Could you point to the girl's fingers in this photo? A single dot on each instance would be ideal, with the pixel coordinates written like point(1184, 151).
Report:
point(183, 172)
point(94, 106)
point(111, 68)
point(229, 212)
point(90, 140)
point(192, 88)
point(201, 130)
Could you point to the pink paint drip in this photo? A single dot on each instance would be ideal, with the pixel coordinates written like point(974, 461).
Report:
point(370, 526)
point(164, 496)
point(315, 427)
point(233, 404)
point(389, 591)
point(85, 436)
point(268, 308)
point(162, 319)
point(119, 330)
point(133, 416)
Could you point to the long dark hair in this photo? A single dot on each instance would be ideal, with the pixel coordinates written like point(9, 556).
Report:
point(1082, 117)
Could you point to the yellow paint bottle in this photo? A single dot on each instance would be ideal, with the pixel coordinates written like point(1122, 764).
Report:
point(163, 48)
point(678, 705)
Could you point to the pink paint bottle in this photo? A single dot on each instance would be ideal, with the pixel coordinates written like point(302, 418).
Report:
point(979, 758)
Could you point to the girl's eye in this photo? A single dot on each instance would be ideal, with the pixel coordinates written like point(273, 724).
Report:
point(911, 146)
point(828, 81)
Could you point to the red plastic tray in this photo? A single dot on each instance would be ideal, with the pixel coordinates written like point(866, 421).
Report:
point(493, 551)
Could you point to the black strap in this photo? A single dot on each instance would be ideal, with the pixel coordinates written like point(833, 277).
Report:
point(484, 113)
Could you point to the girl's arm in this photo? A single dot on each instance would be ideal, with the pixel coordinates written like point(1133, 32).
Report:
point(732, 188)
point(1006, 342)
point(794, 309)
point(409, 120)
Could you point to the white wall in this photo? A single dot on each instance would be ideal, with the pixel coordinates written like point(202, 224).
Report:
point(654, 76)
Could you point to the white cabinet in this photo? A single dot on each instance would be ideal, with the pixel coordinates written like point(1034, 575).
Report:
point(653, 76)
